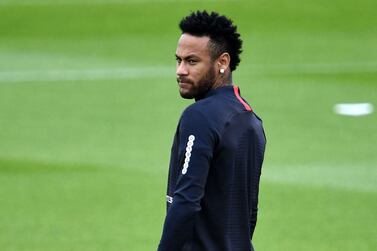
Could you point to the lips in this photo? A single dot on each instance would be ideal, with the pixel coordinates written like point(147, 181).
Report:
point(183, 85)
point(183, 82)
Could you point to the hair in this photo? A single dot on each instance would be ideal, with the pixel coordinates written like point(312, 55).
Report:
point(221, 31)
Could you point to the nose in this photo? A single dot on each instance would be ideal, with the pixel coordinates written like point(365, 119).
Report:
point(181, 69)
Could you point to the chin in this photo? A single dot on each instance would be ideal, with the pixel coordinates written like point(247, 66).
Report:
point(186, 94)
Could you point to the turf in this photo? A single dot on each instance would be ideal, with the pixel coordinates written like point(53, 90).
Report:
point(89, 105)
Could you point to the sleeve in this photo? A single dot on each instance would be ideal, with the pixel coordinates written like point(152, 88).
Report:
point(260, 145)
point(196, 148)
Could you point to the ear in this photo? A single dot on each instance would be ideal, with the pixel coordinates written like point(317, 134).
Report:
point(223, 62)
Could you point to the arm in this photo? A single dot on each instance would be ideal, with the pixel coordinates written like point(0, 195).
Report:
point(196, 139)
point(255, 180)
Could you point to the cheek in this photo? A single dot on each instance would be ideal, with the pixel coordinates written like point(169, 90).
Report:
point(198, 72)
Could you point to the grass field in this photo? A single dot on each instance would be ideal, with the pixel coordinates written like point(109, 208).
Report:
point(89, 106)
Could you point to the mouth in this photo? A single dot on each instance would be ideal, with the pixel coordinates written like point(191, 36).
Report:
point(185, 88)
point(183, 84)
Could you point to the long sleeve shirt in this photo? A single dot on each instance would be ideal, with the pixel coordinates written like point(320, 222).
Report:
point(215, 167)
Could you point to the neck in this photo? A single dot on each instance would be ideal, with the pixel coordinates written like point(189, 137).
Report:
point(222, 80)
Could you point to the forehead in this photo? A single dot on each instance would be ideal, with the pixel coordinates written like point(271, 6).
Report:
point(192, 45)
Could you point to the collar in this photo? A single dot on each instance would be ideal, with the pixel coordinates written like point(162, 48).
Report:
point(220, 90)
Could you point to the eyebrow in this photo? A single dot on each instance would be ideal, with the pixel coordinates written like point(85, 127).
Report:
point(190, 56)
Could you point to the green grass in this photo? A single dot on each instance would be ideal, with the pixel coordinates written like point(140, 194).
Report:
point(83, 159)
point(78, 207)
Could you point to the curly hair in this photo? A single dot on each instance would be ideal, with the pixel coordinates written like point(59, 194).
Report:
point(221, 31)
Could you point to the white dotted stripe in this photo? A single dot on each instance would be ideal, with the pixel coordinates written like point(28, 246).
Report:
point(169, 199)
point(189, 146)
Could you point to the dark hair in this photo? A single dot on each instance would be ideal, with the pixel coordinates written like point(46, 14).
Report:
point(221, 31)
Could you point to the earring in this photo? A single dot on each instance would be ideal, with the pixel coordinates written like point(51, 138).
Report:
point(222, 71)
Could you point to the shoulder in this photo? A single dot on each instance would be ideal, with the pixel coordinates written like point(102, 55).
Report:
point(207, 115)
point(193, 114)
point(205, 108)
point(194, 122)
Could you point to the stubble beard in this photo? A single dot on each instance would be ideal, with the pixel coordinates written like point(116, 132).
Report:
point(202, 87)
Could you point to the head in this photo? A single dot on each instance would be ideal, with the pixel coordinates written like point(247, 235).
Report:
point(207, 53)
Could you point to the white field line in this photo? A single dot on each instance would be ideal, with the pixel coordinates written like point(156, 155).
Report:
point(166, 71)
point(353, 109)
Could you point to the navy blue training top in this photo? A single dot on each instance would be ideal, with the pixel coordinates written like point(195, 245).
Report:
point(214, 172)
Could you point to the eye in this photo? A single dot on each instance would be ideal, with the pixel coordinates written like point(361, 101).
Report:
point(191, 61)
point(178, 60)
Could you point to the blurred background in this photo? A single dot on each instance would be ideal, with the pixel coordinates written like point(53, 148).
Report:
point(89, 106)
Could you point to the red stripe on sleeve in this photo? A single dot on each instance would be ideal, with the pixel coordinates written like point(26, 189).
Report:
point(237, 93)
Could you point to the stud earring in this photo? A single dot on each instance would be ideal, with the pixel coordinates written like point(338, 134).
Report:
point(222, 71)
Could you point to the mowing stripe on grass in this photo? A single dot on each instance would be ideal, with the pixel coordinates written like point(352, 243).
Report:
point(360, 178)
point(166, 71)
point(88, 74)
point(318, 68)
point(99, 2)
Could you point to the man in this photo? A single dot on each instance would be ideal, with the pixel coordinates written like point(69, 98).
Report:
point(218, 147)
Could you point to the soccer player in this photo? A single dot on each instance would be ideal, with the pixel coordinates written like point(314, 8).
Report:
point(218, 148)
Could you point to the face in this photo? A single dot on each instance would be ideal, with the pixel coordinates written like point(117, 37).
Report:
point(195, 69)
